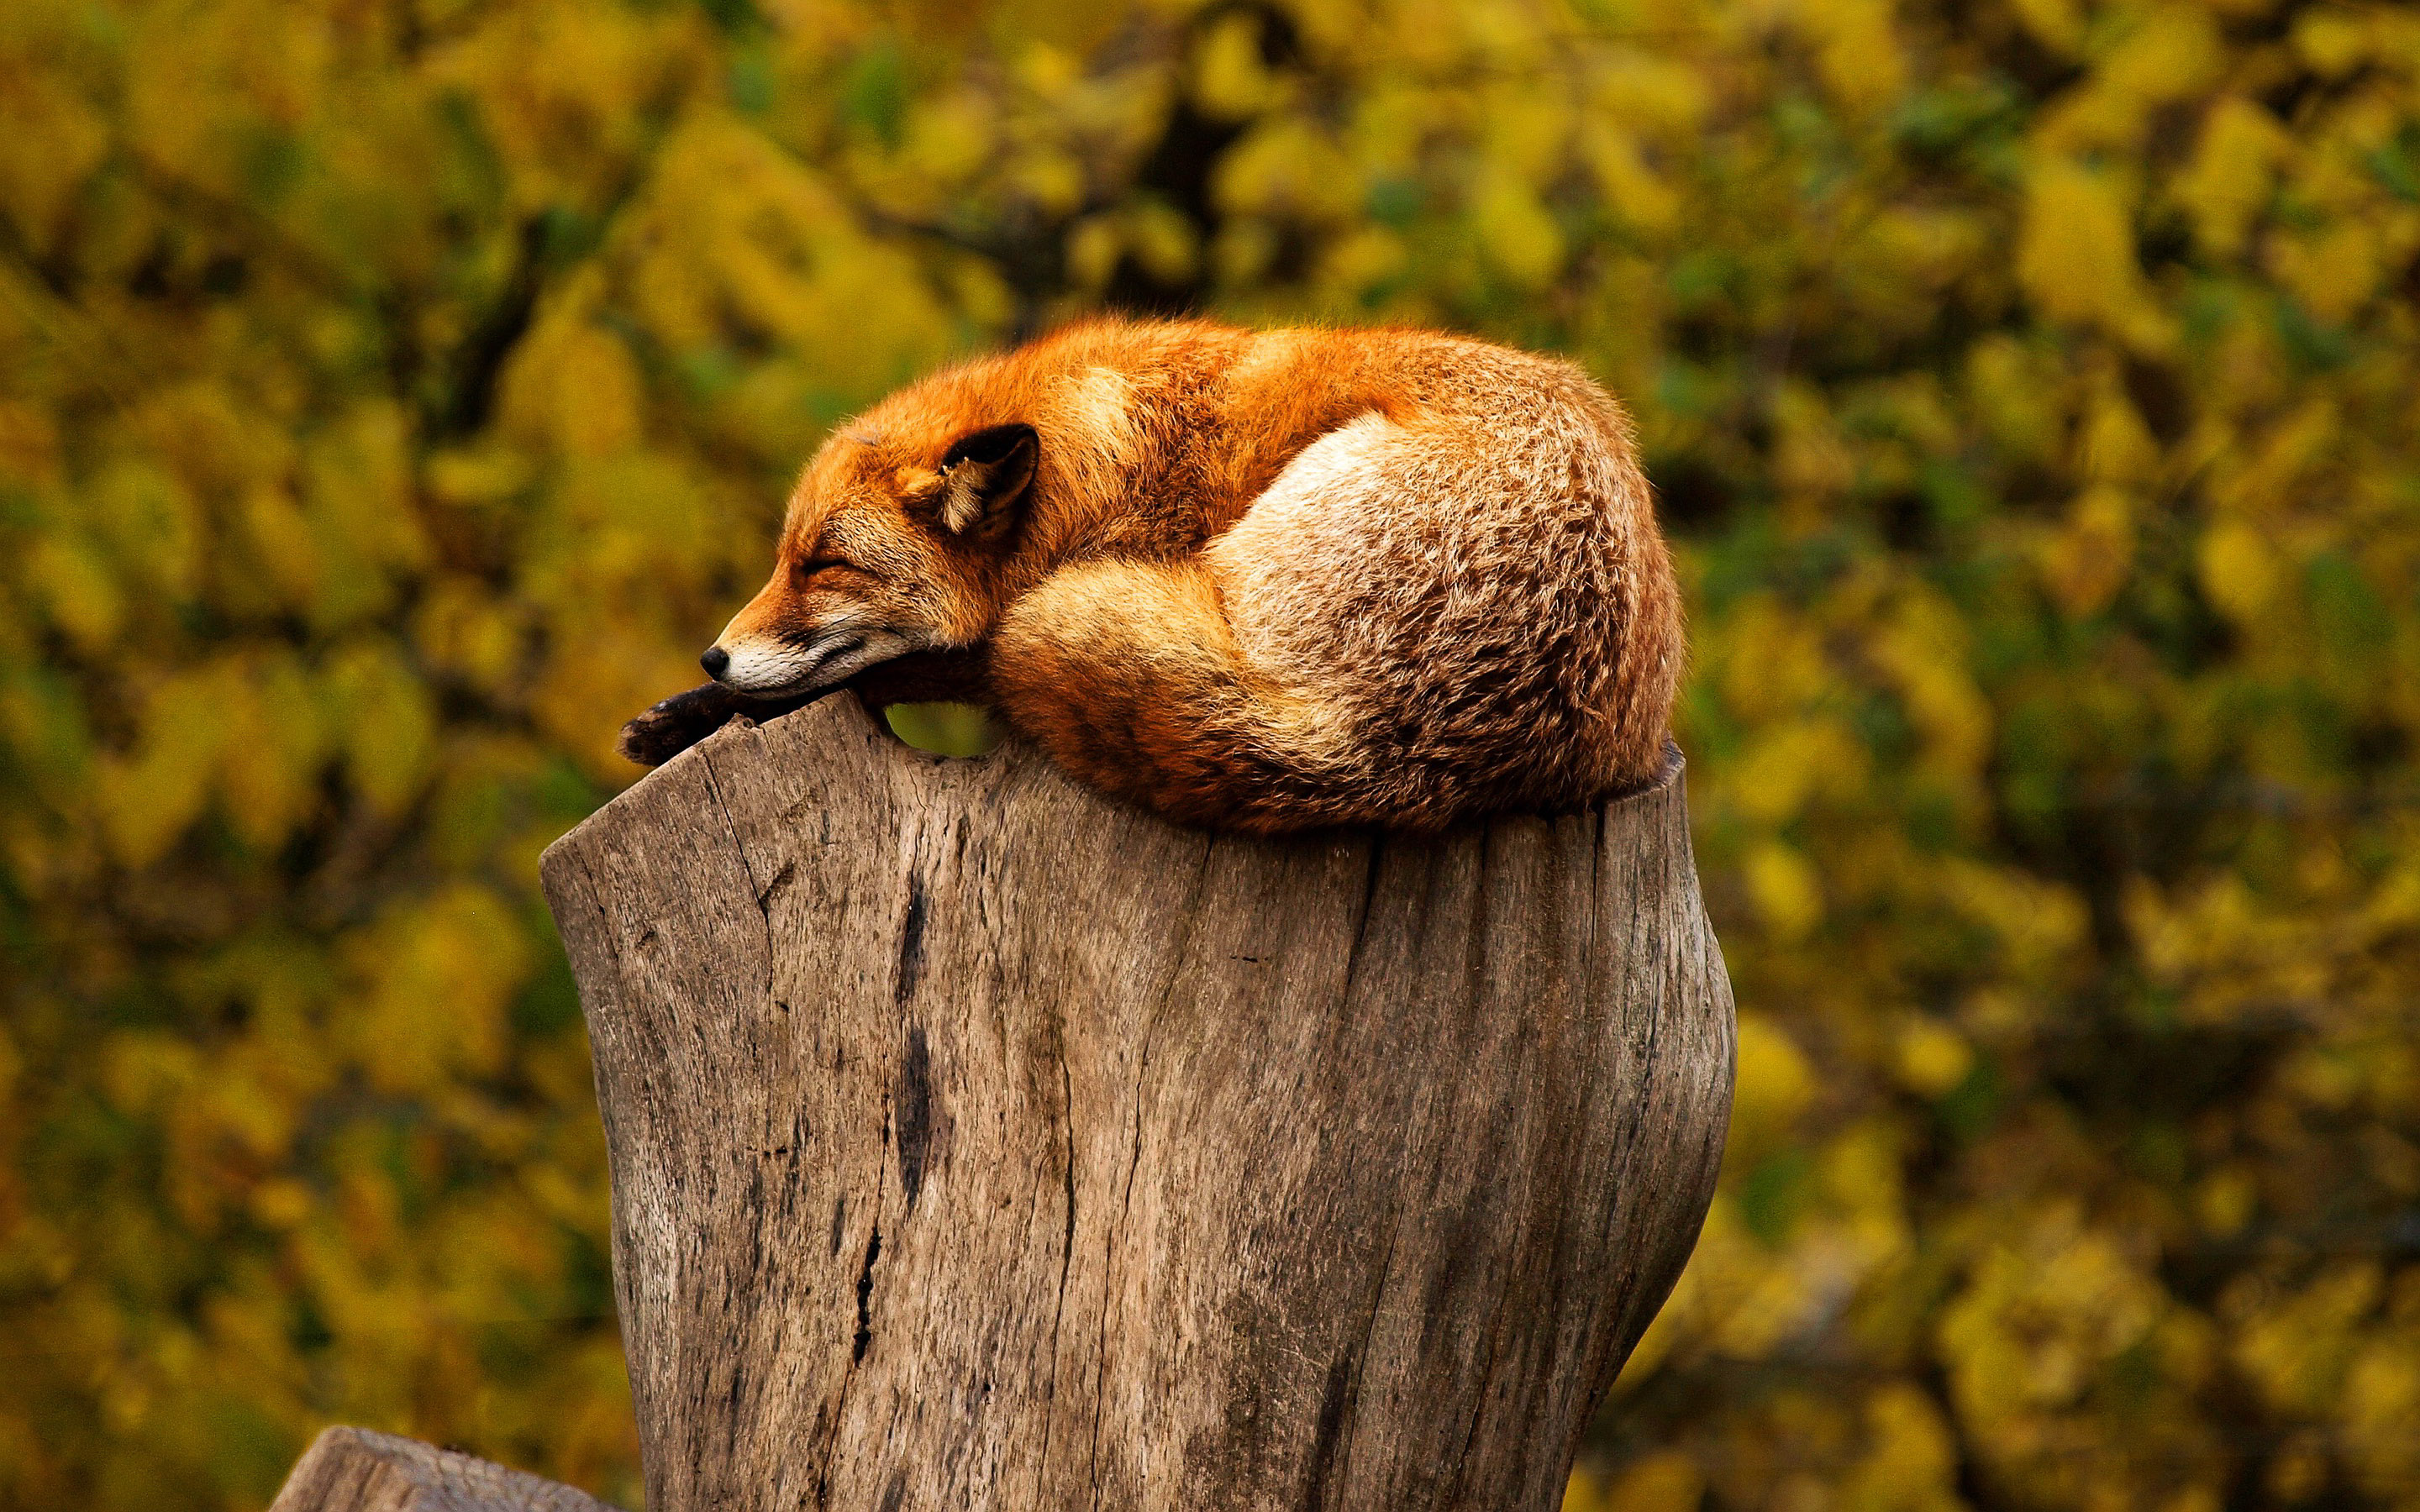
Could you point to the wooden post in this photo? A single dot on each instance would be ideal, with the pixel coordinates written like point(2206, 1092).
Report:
point(353, 1470)
point(978, 1142)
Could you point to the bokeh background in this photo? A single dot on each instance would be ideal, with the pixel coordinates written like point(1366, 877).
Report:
point(395, 393)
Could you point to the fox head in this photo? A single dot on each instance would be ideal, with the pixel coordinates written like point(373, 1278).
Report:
point(888, 547)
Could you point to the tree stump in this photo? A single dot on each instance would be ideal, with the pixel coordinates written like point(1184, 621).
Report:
point(353, 1470)
point(978, 1142)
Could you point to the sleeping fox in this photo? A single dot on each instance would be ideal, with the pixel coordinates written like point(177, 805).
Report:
point(1255, 580)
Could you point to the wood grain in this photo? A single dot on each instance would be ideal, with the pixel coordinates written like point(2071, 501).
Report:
point(977, 1142)
point(353, 1470)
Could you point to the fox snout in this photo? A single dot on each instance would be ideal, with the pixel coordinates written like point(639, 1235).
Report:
point(776, 664)
point(772, 664)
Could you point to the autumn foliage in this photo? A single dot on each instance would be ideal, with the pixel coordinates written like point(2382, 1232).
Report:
point(394, 394)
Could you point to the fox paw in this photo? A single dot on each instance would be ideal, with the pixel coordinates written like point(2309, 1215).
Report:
point(680, 722)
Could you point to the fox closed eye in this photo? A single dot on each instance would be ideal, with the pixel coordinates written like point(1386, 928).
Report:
point(809, 568)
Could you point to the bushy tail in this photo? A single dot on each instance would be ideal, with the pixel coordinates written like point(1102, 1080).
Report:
point(1130, 675)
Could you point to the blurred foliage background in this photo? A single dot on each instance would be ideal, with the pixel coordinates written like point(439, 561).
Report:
point(395, 393)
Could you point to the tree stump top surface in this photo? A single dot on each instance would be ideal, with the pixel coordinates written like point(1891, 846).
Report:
point(978, 1141)
point(354, 1470)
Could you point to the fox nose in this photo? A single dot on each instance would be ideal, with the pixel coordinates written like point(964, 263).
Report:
point(716, 662)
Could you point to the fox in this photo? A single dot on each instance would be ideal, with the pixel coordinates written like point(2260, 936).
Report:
point(1264, 581)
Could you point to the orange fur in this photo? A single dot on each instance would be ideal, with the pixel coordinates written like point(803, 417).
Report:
point(1263, 581)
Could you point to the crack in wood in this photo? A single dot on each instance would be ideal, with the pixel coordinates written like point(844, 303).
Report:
point(915, 1114)
point(864, 1339)
point(911, 942)
point(1066, 1261)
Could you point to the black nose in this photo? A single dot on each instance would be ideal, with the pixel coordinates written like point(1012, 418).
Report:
point(715, 661)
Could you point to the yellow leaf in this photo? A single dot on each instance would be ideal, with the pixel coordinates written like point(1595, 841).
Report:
point(1775, 1083)
point(2118, 447)
point(1363, 260)
point(2224, 1201)
point(382, 719)
point(2240, 570)
point(148, 798)
point(1093, 244)
point(2057, 24)
point(282, 542)
point(2171, 55)
point(1664, 1482)
point(2088, 563)
point(1580, 1493)
point(1286, 164)
point(67, 575)
point(433, 979)
point(2337, 269)
point(1911, 1461)
point(1632, 189)
point(2229, 180)
point(150, 523)
point(2331, 41)
point(1809, 454)
point(1932, 1057)
point(275, 751)
point(1230, 80)
point(1857, 50)
point(1518, 234)
point(1923, 648)
point(573, 388)
point(2075, 255)
point(51, 139)
point(1782, 884)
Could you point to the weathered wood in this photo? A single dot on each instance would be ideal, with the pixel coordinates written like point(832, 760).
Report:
point(353, 1470)
point(979, 1143)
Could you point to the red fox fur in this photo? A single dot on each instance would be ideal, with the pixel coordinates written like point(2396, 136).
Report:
point(1263, 581)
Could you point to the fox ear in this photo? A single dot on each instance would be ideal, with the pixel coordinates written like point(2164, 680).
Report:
point(983, 474)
